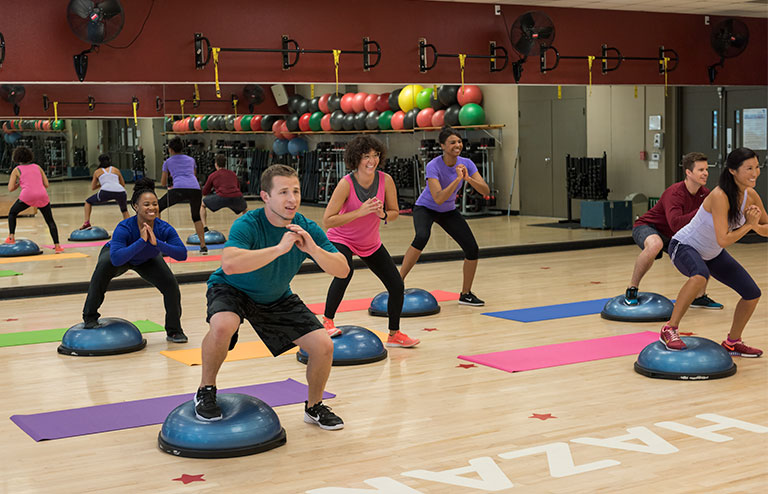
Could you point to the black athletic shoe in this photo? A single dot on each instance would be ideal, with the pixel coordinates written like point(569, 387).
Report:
point(630, 296)
point(322, 415)
point(470, 299)
point(204, 250)
point(205, 229)
point(176, 337)
point(205, 404)
point(90, 324)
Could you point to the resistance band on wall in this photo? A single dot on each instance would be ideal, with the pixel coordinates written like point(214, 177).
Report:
point(215, 53)
point(590, 59)
point(55, 110)
point(336, 55)
point(462, 61)
point(181, 104)
point(664, 63)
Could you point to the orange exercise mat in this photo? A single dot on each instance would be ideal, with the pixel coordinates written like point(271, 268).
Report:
point(243, 351)
point(44, 257)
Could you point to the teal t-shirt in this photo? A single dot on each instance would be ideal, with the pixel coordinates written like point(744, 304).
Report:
point(269, 283)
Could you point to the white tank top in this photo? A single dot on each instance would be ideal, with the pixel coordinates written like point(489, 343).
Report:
point(700, 232)
point(110, 181)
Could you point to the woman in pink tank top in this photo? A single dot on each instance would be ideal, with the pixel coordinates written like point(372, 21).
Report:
point(33, 182)
point(362, 200)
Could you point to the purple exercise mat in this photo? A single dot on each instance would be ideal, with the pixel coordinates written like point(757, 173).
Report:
point(130, 414)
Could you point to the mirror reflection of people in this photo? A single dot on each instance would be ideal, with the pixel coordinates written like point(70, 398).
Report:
point(139, 243)
point(111, 185)
point(181, 168)
point(33, 182)
point(437, 204)
point(222, 190)
point(729, 212)
point(362, 200)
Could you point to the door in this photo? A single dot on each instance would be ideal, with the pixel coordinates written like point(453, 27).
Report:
point(549, 129)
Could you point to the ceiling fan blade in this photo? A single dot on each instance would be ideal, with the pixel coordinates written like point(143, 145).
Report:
point(96, 32)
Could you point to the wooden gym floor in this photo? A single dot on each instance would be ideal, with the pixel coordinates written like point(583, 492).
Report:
point(417, 411)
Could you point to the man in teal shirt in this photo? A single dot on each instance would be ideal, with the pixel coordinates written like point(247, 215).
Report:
point(265, 250)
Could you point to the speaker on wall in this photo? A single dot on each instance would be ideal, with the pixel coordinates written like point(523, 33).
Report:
point(281, 97)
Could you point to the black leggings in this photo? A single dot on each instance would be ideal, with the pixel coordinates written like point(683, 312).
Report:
point(452, 222)
point(175, 196)
point(382, 265)
point(155, 271)
point(19, 206)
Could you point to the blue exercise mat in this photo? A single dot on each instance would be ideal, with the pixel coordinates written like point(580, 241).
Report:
point(557, 311)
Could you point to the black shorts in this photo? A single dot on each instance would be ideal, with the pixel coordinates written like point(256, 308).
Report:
point(641, 232)
point(104, 196)
point(278, 324)
point(215, 202)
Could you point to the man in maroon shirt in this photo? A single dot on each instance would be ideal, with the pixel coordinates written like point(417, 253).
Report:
point(653, 230)
point(227, 191)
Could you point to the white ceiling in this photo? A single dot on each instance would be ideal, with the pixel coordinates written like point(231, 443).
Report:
point(740, 8)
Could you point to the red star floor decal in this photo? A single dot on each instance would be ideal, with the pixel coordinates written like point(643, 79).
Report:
point(430, 329)
point(682, 333)
point(58, 266)
point(542, 416)
point(466, 366)
point(545, 267)
point(11, 319)
point(595, 282)
point(190, 478)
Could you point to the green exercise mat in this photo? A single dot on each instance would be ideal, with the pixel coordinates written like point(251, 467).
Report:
point(8, 272)
point(51, 335)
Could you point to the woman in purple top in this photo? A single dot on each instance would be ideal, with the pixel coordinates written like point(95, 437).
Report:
point(181, 168)
point(437, 203)
point(139, 243)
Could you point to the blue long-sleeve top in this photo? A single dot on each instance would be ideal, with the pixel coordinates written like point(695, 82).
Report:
point(127, 246)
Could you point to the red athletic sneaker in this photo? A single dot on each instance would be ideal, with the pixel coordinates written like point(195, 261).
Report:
point(671, 339)
point(739, 349)
point(85, 226)
point(59, 249)
point(9, 240)
point(402, 340)
point(330, 327)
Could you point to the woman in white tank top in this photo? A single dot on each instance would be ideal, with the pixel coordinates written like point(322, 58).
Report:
point(112, 188)
point(731, 210)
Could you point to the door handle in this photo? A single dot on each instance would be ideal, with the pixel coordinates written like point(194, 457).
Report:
point(547, 160)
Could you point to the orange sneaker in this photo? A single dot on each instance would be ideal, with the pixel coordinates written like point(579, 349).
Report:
point(59, 249)
point(9, 240)
point(330, 327)
point(402, 340)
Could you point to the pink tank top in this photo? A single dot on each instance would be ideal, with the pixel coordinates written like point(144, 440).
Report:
point(33, 191)
point(361, 235)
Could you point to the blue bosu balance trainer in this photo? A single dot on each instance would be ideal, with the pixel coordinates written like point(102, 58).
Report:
point(113, 336)
point(248, 426)
point(703, 359)
point(91, 233)
point(22, 247)
point(355, 345)
point(416, 302)
point(211, 237)
point(651, 307)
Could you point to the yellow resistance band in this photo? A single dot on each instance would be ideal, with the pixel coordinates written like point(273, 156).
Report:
point(665, 62)
point(55, 110)
point(234, 105)
point(135, 118)
point(311, 91)
point(336, 55)
point(590, 59)
point(197, 93)
point(215, 52)
point(559, 92)
point(462, 60)
point(181, 103)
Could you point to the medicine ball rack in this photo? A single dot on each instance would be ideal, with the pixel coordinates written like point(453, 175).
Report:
point(497, 52)
point(610, 53)
point(288, 46)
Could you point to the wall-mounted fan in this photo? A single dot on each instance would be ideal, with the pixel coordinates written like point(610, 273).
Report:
point(13, 95)
point(254, 95)
point(729, 38)
point(95, 22)
point(530, 34)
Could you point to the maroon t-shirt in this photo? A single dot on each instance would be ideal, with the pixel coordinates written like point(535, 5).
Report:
point(225, 183)
point(674, 210)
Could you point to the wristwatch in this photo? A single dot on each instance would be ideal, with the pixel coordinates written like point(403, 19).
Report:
point(384, 219)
